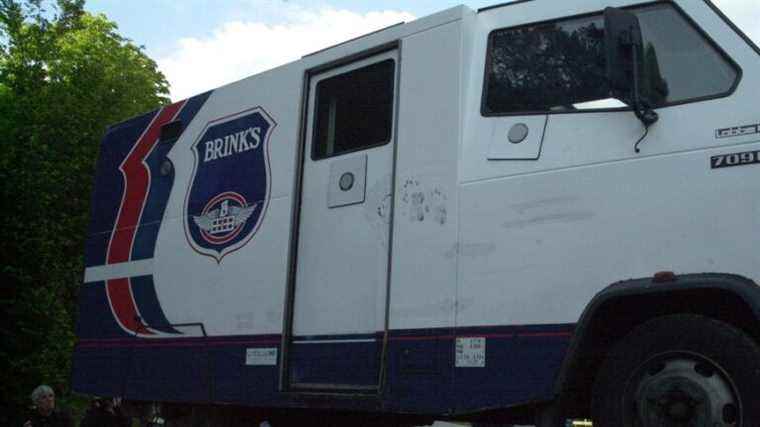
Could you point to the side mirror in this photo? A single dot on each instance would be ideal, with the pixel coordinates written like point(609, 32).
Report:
point(624, 54)
point(623, 42)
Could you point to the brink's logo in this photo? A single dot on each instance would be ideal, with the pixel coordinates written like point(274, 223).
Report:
point(238, 142)
point(229, 191)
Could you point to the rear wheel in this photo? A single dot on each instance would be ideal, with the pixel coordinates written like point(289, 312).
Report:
point(680, 370)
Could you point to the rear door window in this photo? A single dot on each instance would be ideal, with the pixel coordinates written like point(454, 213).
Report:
point(354, 110)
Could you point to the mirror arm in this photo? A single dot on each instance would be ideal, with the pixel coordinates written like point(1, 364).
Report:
point(623, 32)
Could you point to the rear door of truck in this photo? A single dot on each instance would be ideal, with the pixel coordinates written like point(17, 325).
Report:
point(342, 259)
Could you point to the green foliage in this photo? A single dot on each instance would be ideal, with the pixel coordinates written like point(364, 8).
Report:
point(64, 76)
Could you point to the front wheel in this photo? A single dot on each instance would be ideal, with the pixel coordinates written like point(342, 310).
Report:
point(680, 370)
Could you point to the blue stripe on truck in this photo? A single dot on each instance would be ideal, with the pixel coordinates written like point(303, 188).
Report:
point(521, 364)
point(109, 185)
point(160, 186)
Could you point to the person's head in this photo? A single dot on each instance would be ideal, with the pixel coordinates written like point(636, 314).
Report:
point(44, 398)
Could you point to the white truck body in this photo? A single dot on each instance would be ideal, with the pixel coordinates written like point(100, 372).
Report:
point(449, 276)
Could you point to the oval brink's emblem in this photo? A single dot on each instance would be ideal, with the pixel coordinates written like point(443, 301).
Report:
point(229, 189)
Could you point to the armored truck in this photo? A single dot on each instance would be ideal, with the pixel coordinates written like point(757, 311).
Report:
point(527, 213)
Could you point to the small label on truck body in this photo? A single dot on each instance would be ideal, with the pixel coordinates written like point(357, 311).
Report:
point(737, 131)
point(261, 356)
point(470, 352)
point(735, 159)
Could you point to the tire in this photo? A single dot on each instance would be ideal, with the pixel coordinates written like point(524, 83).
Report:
point(679, 370)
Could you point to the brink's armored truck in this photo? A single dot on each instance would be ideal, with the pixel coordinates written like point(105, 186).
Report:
point(534, 211)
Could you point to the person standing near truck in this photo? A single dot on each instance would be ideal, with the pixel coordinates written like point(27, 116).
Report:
point(45, 413)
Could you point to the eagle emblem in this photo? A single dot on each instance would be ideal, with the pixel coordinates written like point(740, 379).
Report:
point(224, 219)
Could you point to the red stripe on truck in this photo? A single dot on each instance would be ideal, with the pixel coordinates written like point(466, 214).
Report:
point(136, 185)
point(123, 306)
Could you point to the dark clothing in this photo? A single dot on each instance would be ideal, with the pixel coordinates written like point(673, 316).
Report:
point(100, 417)
point(55, 419)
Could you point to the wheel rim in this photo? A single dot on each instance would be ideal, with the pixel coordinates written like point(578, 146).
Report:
point(681, 390)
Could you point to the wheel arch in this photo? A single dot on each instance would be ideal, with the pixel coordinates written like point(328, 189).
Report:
point(619, 308)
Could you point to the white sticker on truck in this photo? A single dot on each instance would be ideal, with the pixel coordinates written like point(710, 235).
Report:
point(261, 356)
point(471, 352)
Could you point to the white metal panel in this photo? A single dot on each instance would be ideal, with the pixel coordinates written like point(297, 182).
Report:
point(423, 286)
point(342, 264)
point(244, 293)
point(551, 241)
